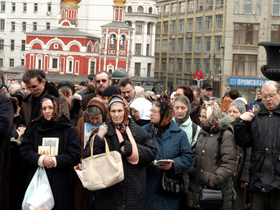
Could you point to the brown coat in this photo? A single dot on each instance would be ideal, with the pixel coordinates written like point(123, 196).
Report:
point(205, 167)
point(26, 107)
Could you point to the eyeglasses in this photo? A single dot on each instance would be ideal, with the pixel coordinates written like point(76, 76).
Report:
point(154, 111)
point(101, 80)
point(268, 96)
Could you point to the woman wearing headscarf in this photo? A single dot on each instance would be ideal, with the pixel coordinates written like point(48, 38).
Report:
point(173, 144)
point(94, 116)
point(56, 126)
point(215, 161)
point(241, 179)
point(137, 150)
point(140, 108)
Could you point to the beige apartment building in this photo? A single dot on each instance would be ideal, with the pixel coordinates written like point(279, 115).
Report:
point(218, 37)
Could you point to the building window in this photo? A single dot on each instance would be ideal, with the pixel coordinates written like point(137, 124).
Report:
point(157, 48)
point(48, 25)
point(206, 68)
point(217, 65)
point(129, 9)
point(276, 8)
point(139, 27)
point(171, 65)
point(199, 23)
point(199, 5)
point(182, 7)
point(188, 65)
point(22, 62)
point(209, 4)
point(49, 7)
point(12, 62)
point(2, 24)
point(149, 69)
point(218, 43)
point(24, 7)
point(150, 10)
point(220, 3)
point(179, 64)
point(207, 44)
point(23, 26)
point(70, 65)
point(163, 64)
point(137, 69)
point(3, 6)
point(190, 24)
point(172, 45)
point(138, 49)
point(180, 45)
point(189, 45)
point(159, 10)
point(166, 10)
point(54, 63)
point(246, 33)
point(165, 27)
point(35, 7)
point(149, 28)
point(148, 50)
point(92, 67)
point(247, 7)
point(198, 44)
point(191, 6)
point(174, 9)
point(112, 42)
point(123, 42)
point(12, 44)
point(197, 66)
point(1, 44)
point(23, 45)
point(244, 65)
point(1, 62)
point(258, 7)
point(34, 26)
point(181, 25)
point(164, 45)
point(219, 21)
point(13, 26)
point(208, 22)
point(236, 7)
point(275, 33)
point(158, 28)
point(173, 26)
point(140, 9)
point(13, 6)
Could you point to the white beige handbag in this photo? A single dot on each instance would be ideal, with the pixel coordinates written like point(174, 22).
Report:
point(102, 170)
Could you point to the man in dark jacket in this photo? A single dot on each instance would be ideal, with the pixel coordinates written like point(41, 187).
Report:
point(6, 120)
point(260, 130)
point(38, 85)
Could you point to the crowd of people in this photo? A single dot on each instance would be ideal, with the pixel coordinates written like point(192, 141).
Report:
point(186, 136)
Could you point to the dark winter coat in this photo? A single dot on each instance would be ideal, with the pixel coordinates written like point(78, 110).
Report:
point(69, 154)
point(75, 111)
point(26, 106)
point(205, 165)
point(263, 135)
point(130, 193)
point(173, 145)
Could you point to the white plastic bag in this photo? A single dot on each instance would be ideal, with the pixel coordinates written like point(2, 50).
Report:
point(38, 194)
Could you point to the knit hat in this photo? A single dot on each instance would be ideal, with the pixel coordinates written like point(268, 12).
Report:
point(239, 104)
point(111, 90)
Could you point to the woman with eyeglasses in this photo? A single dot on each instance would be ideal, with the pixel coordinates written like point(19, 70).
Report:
point(215, 156)
point(172, 143)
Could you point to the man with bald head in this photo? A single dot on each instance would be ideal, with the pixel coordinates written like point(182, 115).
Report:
point(261, 131)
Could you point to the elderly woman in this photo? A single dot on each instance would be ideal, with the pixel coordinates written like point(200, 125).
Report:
point(215, 156)
point(173, 144)
point(140, 108)
point(241, 179)
point(137, 150)
point(56, 126)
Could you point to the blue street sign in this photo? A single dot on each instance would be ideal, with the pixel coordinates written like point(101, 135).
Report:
point(246, 82)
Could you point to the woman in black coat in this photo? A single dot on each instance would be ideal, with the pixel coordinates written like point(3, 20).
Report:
point(52, 124)
point(122, 133)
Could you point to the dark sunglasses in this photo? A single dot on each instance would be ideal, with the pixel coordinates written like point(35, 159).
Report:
point(102, 80)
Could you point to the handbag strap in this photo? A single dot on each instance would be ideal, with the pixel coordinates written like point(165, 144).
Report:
point(155, 138)
point(92, 143)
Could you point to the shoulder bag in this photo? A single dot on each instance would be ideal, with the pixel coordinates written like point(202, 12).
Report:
point(102, 170)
